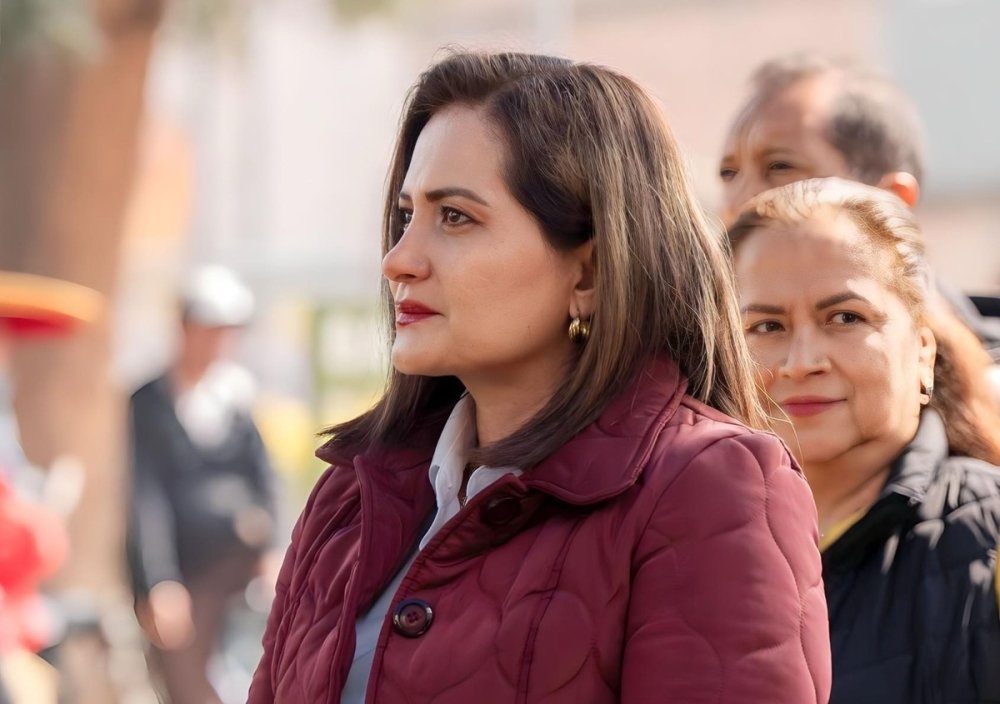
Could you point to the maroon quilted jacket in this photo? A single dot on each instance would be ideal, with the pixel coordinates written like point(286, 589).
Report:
point(664, 554)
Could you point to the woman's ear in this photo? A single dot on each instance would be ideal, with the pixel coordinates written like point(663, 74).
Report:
point(926, 356)
point(582, 296)
point(903, 184)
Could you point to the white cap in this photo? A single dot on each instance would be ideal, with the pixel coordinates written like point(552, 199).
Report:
point(215, 297)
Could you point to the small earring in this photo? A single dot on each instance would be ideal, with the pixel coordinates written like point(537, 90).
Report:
point(579, 330)
point(926, 393)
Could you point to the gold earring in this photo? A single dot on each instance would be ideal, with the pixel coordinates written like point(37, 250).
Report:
point(579, 330)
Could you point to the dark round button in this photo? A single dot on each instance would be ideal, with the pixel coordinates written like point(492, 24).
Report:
point(412, 617)
point(501, 510)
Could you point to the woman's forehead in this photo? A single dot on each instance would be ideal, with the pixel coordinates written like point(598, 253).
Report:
point(827, 246)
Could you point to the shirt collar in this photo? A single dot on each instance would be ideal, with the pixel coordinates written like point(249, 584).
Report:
point(448, 464)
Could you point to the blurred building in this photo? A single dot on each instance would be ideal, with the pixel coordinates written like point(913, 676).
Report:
point(274, 126)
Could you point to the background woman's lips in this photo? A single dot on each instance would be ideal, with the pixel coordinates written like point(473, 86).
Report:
point(808, 407)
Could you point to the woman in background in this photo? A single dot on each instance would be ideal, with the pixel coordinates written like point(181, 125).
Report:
point(556, 500)
point(879, 392)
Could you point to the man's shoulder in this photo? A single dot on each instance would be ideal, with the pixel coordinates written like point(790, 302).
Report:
point(150, 392)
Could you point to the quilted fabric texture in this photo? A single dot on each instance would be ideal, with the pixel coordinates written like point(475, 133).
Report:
point(665, 554)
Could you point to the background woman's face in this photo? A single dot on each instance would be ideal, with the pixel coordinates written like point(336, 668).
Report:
point(837, 349)
point(477, 288)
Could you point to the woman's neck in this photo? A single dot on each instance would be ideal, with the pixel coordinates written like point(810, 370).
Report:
point(846, 486)
point(503, 405)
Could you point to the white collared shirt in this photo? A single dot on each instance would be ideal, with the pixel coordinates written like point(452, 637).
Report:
point(448, 466)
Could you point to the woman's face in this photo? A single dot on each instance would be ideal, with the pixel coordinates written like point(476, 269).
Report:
point(478, 291)
point(837, 349)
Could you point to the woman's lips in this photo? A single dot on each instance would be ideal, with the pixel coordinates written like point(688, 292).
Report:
point(803, 406)
point(409, 312)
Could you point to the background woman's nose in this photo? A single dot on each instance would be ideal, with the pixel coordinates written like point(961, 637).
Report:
point(806, 355)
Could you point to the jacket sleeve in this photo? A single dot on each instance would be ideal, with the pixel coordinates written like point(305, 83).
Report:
point(727, 599)
point(152, 550)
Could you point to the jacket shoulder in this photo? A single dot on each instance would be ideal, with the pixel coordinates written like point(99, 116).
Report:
point(969, 479)
point(696, 428)
point(734, 525)
point(713, 475)
point(963, 502)
point(337, 489)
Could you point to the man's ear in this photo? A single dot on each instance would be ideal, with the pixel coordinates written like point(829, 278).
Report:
point(903, 184)
point(582, 297)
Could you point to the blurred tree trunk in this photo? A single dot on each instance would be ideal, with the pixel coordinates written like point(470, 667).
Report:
point(68, 149)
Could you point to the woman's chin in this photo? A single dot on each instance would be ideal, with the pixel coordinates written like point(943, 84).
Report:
point(414, 364)
point(818, 453)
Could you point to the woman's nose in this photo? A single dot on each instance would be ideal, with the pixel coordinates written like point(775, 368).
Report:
point(407, 261)
point(737, 192)
point(807, 355)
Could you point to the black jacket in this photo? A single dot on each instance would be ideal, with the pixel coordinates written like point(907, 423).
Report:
point(192, 507)
point(911, 586)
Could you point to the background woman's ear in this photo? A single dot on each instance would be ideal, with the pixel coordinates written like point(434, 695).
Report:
point(927, 355)
point(903, 184)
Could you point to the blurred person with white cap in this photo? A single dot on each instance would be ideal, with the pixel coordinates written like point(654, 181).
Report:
point(203, 499)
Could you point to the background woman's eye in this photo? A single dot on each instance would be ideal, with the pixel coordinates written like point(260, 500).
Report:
point(846, 318)
point(779, 166)
point(766, 326)
point(727, 173)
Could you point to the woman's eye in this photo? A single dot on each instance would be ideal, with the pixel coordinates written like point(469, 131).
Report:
point(454, 217)
point(727, 173)
point(846, 318)
point(405, 216)
point(765, 326)
point(779, 166)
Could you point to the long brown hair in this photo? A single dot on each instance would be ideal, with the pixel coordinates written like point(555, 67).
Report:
point(961, 391)
point(590, 156)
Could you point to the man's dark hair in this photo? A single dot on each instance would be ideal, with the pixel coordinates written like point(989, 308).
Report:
point(873, 123)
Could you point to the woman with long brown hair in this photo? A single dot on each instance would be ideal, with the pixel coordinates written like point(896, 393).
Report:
point(557, 498)
point(881, 393)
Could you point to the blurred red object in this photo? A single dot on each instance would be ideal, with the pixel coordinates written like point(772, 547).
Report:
point(33, 544)
point(32, 305)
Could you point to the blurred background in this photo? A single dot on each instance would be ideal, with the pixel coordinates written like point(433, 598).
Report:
point(142, 138)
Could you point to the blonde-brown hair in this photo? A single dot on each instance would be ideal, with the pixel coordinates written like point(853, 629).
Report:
point(590, 157)
point(961, 392)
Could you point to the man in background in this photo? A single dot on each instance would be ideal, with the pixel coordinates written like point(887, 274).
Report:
point(813, 117)
point(203, 501)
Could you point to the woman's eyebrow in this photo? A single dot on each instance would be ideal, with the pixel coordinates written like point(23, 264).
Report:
point(762, 308)
point(841, 298)
point(447, 192)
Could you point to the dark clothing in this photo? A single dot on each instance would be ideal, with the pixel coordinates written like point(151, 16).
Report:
point(183, 673)
point(201, 514)
point(193, 506)
point(664, 553)
point(911, 585)
point(976, 315)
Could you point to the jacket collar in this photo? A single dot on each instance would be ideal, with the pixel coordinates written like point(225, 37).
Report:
point(607, 456)
point(601, 461)
point(912, 472)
